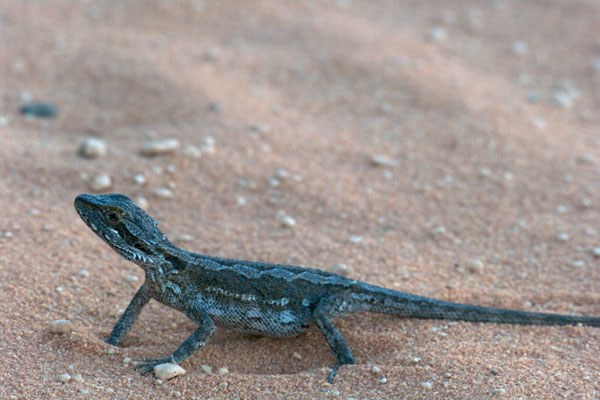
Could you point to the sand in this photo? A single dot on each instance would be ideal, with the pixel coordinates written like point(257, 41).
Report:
point(485, 115)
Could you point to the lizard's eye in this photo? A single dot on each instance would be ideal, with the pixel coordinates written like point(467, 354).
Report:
point(113, 216)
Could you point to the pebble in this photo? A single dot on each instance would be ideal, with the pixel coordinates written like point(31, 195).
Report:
point(498, 391)
point(223, 385)
point(191, 151)
point(383, 380)
point(591, 232)
point(8, 234)
point(438, 34)
point(139, 179)
point(427, 385)
point(375, 369)
point(39, 110)
point(92, 148)
point(355, 239)
point(562, 237)
point(476, 266)
point(519, 48)
point(296, 356)
point(64, 378)
point(163, 193)
point(78, 378)
point(240, 201)
point(131, 278)
point(206, 369)
point(157, 147)
point(168, 371)
point(142, 202)
point(383, 161)
point(281, 174)
point(438, 231)
point(285, 220)
point(101, 182)
point(208, 146)
point(596, 252)
point(111, 351)
point(222, 371)
point(341, 269)
point(83, 273)
point(578, 263)
point(61, 326)
point(126, 360)
point(562, 209)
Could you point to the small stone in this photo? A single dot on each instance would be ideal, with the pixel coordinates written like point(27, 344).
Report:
point(562, 209)
point(142, 202)
point(296, 356)
point(8, 234)
point(415, 360)
point(438, 34)
point(157, 147)
point(39, 110)
point(475, 266)
point(61, 326)
point(355, 239)
point(519, 48)
point(222, 371)
point(427, 385)
point(341, 269)
point(126, 360)
point(206, 369)
point(83, 273)
point(274, 182)
point(223, 385)
point(208, 146)
point(562, 237)
point(131, 278)
point(192, 151)
point(212, 106)
point(163, 193)
point(101, 182)
point(578, 263)
point(110, 351)
point(596, 252)
point(591, 232)
point(498, 391)
point(139, 179)
point(64, 378)
point(240, 201)
point(383, 161)
point(383, 380)
point(375, 369)
point(285, 220)
point(438, 231)
point(168, 371)
point(92, 148)
point(281, 174)
point(78, 378)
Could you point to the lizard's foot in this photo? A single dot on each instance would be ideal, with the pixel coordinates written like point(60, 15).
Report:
point(332, 373)
point(149, 363)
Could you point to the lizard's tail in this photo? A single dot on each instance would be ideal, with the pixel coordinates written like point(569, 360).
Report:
point(386, 301)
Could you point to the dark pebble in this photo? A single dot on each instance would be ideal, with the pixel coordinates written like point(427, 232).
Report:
point(39, 110)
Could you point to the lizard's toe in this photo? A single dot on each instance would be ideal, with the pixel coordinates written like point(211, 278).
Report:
point(149, 363)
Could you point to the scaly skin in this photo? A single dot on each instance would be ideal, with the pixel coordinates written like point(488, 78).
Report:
point(259, 298)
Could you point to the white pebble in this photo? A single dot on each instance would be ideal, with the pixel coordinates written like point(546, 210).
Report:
point(222, 371)
point(427, 385)
point(498, 390)
point(92, 148)
point(101, 182)
point(596, 252)
point(208, 146)
point(131, 278)
point(8, 234)
point(240, 201)
point(223, 385)
point(156, 147)
point(296, 356)
point(355, 239)
point(519, 48)
point(83, 273)
point(78, 378)
point(206, 369)
point(126, 360)
point(139, 179)
point(281, 174)
point(64, 378)
point(591, 232)
point(383, 161)
point(476, 266)
point(383, 380)
point(111, 351)
point(192, 151)
point(61, 326)
point(562, 208)
point(285, 220)
point(341, 269)
point(168, 371)
point(142, 202)
point(438, 34)
point(375, 369)
point(562, 237)
point(578, 263)
point(163, 193)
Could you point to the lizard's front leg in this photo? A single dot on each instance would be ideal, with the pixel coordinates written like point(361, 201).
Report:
point(189, 346)
point(131, 313)
point(334, 338)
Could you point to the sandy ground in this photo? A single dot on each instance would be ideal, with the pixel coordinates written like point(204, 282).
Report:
point(487, 112)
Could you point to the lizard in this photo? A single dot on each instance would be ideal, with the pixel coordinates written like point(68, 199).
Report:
point(259, 298)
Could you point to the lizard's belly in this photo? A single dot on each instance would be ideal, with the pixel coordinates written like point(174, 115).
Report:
point(257, 319)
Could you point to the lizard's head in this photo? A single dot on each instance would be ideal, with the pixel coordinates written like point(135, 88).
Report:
point(123, 225)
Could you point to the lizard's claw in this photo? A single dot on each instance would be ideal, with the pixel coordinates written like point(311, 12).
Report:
point(149, 363)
